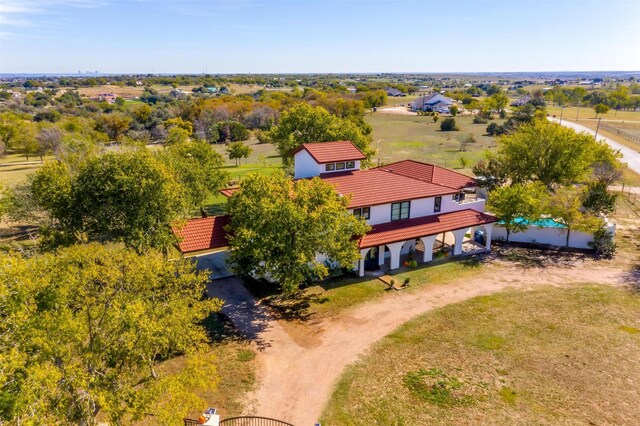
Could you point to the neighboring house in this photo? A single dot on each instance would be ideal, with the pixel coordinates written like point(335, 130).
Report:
point(521, 102)
point(352, 89)
point(413, 207)
point(432, 102)
point(106, 97)
point(392, 91)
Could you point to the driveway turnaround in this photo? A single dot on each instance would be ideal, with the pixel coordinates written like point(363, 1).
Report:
point(300, 365)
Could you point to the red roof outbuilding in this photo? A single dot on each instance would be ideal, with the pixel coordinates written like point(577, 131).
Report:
point(202, 234)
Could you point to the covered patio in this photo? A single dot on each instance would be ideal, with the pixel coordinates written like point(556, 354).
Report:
point(387, 243)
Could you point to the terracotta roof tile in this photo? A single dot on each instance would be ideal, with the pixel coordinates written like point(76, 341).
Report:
point(430, 173)
point(330, 152)
point(202, 234)
point(377, 186)
point(407, 229)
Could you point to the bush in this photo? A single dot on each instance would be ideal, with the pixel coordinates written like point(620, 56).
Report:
point(448, 125)
point(603, 244)
point(478, 119)
point(413, 264)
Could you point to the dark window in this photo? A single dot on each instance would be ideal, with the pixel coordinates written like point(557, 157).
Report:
point(364, 212)
point(437, 204)
point(400, 210)
point(330, 167)
point(339, 166)
point(351, 164)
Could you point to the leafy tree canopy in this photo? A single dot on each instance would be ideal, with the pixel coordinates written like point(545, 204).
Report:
point(304, 123)
point(517, 205)
point(83, 329)
point(279, 226)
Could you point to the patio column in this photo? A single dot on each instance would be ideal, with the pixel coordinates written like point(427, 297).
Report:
point(459, 235)
point(381, 255)
point(428, 247)
point(488, 228)
point(395, 248)
point(363, 253)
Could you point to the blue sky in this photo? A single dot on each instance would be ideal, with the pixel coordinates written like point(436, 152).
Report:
point(238, 36)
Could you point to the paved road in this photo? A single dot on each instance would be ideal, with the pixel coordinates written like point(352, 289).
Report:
point(629, 156)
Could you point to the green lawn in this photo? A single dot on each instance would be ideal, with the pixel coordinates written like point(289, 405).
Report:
point(549, 356)
point(398, 137)
point(336, 295)
point(587, 113)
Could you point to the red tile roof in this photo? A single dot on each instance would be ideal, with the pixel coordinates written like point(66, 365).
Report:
point(430, 173)
point(402, 230)
point(202, 234)
point(377, 186)
point(331, 152)
point(228, 192)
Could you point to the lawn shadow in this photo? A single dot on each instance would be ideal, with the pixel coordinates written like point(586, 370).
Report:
point(531, 257)
point(632, 278)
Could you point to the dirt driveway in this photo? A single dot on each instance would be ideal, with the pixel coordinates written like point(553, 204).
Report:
point(297, 375)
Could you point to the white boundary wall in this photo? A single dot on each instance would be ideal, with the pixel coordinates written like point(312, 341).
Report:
point(550, 236)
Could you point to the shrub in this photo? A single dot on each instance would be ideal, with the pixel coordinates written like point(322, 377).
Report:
point(492, 129)
point(413, 264)
point(478, 119)
point(603, 243)
point(448, 125)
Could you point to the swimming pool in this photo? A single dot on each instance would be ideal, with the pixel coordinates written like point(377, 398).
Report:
point(545, 222)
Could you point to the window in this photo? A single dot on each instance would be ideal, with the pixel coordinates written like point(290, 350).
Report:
point(339, 166)
point(400, 210)
point(330, 167)
point(364, 212)
point(351, 164)
point(437, 204)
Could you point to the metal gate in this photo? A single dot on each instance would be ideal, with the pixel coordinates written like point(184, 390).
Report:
point(253, 421)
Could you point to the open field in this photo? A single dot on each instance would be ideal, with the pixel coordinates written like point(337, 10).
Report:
point(416, 137)
point(15, 169)
point(549, 356)
point(130, 92)
point(587, 113)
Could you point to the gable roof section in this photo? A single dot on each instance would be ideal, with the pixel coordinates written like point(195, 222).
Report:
point(430, 173)
point(402, 230)
point(202, 234)
point(331, 152)
point(377, 186)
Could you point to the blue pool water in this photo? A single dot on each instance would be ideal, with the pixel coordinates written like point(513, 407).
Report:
point(543, 223)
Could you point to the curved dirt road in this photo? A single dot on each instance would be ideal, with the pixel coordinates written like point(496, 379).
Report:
point(297, 374)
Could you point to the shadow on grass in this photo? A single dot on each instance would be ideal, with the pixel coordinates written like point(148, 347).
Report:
point(632, 277)
point(528, 257)
point(289, 307)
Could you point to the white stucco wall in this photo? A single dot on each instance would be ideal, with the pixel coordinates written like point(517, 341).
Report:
point(550, 236)
point(305, 166)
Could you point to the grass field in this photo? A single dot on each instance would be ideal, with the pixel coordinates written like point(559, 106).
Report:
point(550, 356)
point(334, 296)
point(398, 137)
point(130, 92)
point(15, 169)
point(587, 113)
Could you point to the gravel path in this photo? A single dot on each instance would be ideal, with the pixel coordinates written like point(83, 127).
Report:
point(297, 376)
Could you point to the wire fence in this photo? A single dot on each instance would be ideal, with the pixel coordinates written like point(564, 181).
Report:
point(623, 133)
point(632, 198)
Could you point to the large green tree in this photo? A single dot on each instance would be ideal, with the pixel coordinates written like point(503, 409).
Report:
point(279, 226)
point(82, 331)
point(517, 205)
point(199, 168)
point(549, 153)
point(129, 196)
point(304, 123)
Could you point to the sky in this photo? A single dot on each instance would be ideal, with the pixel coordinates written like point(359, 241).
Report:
point(308, 36)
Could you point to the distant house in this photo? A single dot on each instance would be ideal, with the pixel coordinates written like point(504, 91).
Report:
point(212, 89)
point(109, 98)
point(521, 102)
point(352, 89)
point(434, 102)
point(139, 83)
point(392, 91)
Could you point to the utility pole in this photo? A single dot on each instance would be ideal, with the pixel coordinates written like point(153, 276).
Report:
point(597, 128)
point(561, 111)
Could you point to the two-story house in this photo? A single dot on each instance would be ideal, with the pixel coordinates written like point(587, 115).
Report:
point(407, 203)
point(411, 206)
